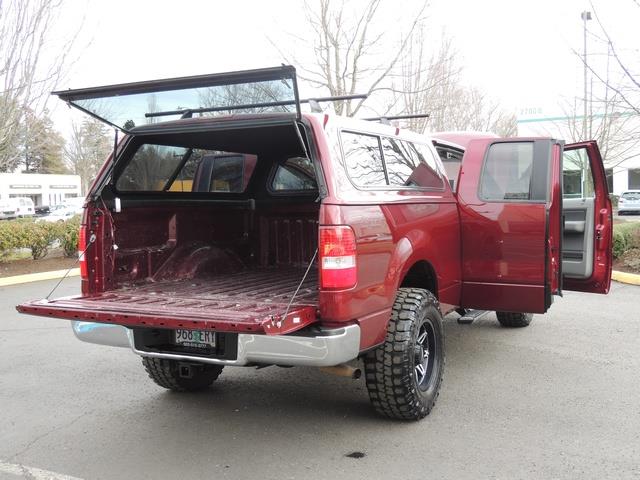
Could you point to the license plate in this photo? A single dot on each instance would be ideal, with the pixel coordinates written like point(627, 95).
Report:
point(196, 338)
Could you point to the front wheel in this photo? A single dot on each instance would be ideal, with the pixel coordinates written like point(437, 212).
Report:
point(514, 319)
point(181, 376)
point(404, 374)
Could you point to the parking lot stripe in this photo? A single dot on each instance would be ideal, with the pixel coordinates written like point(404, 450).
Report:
point(32, 472)
point(36, 277)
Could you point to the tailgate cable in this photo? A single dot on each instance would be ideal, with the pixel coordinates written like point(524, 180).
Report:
point(278, 324)
point(92, 239)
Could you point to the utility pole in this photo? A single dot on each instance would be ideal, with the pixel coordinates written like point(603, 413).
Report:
point(585, 16)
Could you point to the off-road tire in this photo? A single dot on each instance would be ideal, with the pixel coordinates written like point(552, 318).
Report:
point(166, 373)
point(390, 369)
point(514, 319)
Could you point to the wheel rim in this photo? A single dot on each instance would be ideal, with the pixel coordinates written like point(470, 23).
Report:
point(424, 356)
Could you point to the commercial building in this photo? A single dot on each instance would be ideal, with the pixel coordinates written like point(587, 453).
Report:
point(43, 189)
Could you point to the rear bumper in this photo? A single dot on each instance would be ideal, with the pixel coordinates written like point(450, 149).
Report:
point(325, 349)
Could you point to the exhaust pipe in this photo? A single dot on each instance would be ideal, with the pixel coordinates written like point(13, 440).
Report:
point(343, 370)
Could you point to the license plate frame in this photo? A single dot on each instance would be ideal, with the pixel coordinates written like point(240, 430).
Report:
point(200, 339)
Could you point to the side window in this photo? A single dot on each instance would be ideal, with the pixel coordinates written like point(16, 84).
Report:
point(363, 159)
point(294, 174)
point(577, 179)
point(507, 172)
point(410, 164)
point(451, 160)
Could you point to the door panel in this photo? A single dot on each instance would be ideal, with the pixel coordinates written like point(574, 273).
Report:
point(587, 239)
point(505, 192)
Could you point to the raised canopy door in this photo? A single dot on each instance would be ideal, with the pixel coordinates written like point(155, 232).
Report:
point(129, 105)
point(510, 211)
point(587, 238)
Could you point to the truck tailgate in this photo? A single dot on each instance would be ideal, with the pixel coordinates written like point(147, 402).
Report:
point(248, 301)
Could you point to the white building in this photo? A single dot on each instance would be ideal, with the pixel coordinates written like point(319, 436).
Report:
point(533, 122)
point(43, 189)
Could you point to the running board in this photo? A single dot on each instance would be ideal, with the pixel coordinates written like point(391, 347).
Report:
point(471, 315)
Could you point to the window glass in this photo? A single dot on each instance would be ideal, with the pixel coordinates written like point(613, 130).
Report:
point(295, 174)
point(577, 179)
point(410, 164)
point(226, 174)
point(507, 172)
point(363, 159)
point(451, 160)
point(155, 168)
point(634, 178)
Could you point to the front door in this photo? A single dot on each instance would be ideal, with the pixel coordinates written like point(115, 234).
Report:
point(587, 238)
point(509, 197)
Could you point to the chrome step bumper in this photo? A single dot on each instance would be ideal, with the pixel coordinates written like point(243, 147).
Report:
point(328, 348)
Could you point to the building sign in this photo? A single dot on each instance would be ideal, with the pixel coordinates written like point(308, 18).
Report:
point(26, 186)
point(69, 187)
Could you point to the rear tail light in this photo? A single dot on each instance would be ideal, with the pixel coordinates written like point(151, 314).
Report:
point(82, 245)
point(337, 247)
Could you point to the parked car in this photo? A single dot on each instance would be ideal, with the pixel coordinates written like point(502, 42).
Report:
point(7, 210)
point(307, 239)
point(16, 207)
point(61, 213)
point(629, 202)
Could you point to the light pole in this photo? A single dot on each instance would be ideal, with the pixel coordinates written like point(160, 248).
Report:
point(585, 16)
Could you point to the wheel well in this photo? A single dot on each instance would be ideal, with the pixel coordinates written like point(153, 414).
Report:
point(421, 275)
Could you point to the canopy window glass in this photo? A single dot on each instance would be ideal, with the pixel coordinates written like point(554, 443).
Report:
point(127, 106)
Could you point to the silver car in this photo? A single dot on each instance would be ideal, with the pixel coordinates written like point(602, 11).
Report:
point(629, 202)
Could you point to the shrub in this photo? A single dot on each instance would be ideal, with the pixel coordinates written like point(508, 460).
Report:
point(39, 236)
point(69, 236)
point(614, 200)
point(625, 236)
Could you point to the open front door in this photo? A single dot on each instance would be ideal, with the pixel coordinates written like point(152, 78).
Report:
point(587, 238)
point(510, 211)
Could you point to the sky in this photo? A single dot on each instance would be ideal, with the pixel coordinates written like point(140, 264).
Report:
point(519, 52)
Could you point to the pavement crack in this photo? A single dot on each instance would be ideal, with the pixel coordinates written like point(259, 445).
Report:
point(57, 428)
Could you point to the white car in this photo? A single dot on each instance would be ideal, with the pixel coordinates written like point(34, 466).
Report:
point(61, 214)
point(629, 202)
point(17, 207)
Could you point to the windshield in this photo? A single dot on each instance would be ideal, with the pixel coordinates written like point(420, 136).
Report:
point(127, 106)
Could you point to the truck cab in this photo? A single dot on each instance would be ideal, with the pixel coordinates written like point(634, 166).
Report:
point(236, 230)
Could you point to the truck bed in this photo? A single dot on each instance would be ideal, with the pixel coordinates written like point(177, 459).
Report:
point(247, 301)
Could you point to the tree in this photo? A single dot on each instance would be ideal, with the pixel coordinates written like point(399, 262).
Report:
point(351, 55)
point(408, 75)
point(40, 146)
point(87, 150)
point(25, 33)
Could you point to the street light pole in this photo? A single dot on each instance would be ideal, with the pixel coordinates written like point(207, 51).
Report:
point(585, 16)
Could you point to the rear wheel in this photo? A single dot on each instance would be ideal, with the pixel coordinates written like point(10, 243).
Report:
point(181, 376)
point(514, 319)
point(404, 374)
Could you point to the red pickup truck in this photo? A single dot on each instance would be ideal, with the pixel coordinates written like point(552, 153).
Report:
point(228, 228)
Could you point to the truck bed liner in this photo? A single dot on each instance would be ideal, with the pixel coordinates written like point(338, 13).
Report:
point(247, 301)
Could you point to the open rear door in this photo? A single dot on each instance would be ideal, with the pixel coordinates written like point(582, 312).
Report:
point(509, 197)
point(587, 238)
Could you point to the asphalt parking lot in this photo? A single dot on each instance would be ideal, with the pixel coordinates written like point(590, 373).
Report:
point(559, 399)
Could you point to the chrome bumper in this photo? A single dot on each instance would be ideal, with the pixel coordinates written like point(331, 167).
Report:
point(331, 347)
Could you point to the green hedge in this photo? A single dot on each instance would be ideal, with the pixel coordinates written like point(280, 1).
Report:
point(625, 237)
point(38, 236)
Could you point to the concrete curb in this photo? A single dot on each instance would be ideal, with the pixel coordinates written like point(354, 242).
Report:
point(624, 277)
point(36, 277)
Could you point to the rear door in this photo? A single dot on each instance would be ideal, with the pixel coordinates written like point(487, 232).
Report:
point(509, 198)
point(587, 238)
